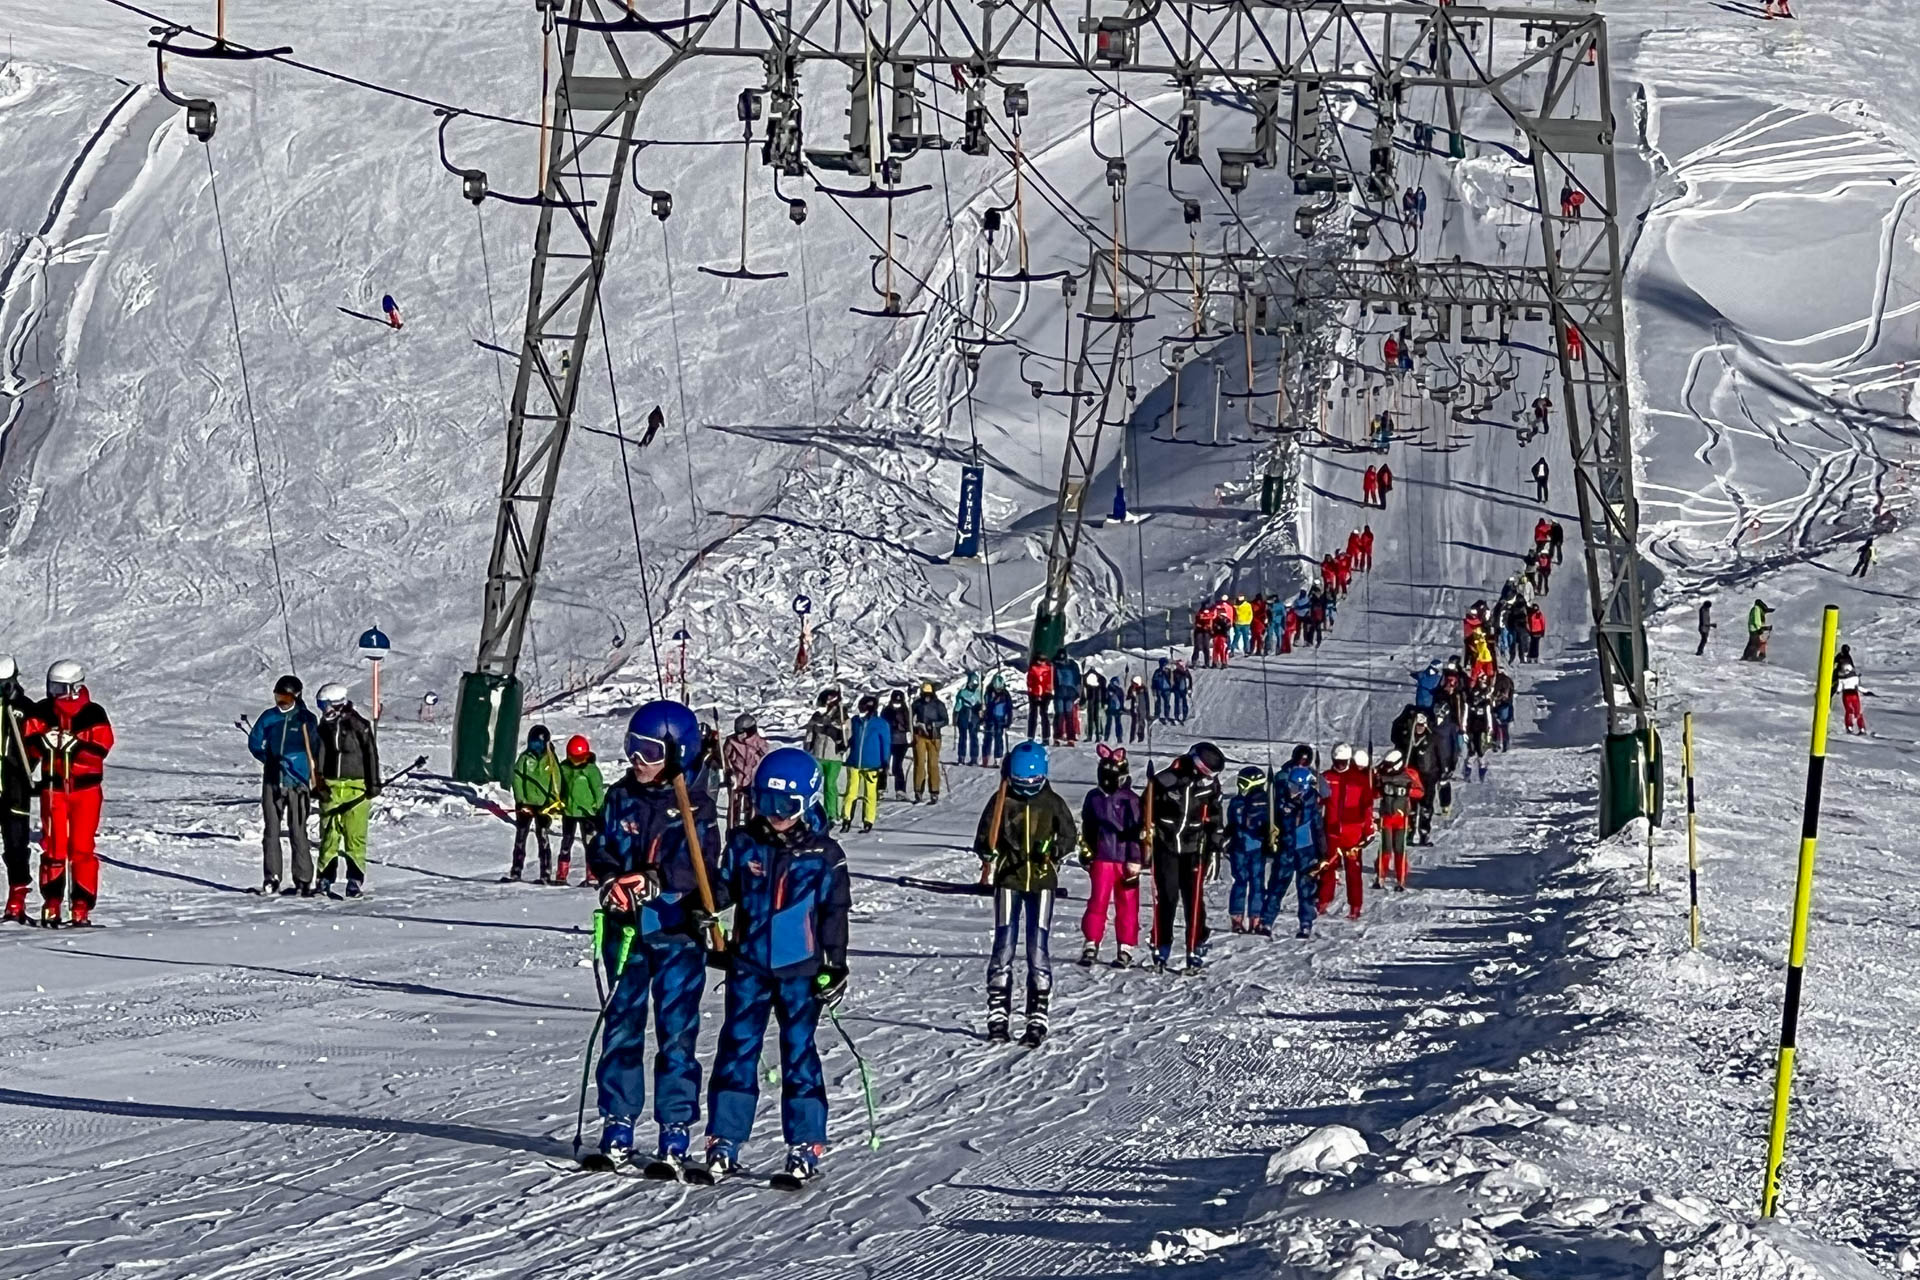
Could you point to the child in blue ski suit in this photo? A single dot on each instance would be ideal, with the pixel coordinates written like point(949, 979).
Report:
point(998, 715)
point(1162, 691)
point(1249, 843)
point(1116, 700)
point(788, 882)
point(654, 944)
point(1301, 843)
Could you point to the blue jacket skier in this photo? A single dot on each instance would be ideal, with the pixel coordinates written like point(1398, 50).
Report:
point(789, 886)
point(1249, 842)
point(1302, 842)
point(967, 708)
point(653, 934)
point(999, 714)
point(283, 740)
point(1425, 685)
point(1162, 690)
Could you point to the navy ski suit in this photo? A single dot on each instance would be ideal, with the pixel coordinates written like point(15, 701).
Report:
point(1302, 843)
point(1249, 833)
point(791, 898)
point(657, 952)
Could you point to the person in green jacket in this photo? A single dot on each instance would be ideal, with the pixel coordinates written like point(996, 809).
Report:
point(536, 798)
point(1025, 830)
point(582, 793)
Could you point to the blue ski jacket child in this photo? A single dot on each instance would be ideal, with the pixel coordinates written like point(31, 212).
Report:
point(1302, 818)
point(869, 743)
point(791, 898)
point(641, 830)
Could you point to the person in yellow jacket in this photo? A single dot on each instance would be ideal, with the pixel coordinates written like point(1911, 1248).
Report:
point(537, 797)
point(1243, 625)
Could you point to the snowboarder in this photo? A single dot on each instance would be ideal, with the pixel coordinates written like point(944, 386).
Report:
point(282, 741)
point(537, 799)
point(1110, 830)
point(1707, 625)
point(16, 790)
point(929, 722)
point(869, 743)
point(1846, 682)
point(1759, 627)
point(1400, 792)
point(742, 753)
point(1137, 708)
point(1301, 841)
point(968, 705)
point(1864, 561)
point(997, 720)
point(347, 784)
point(583, 794)
point(1066, 699)
point(899, 720)
point(658, 908)
point(1025, 829)
point(787, 880)
point(1370, 487)
point(827, 743)
point(1189, 831)
point(1250, 829)
point(1349, 820)
point(1040, 700)
point(1541, 472)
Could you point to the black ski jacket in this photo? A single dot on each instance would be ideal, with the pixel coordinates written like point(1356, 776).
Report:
point(348, 750)
point(1035, 833)
point(1189, 817)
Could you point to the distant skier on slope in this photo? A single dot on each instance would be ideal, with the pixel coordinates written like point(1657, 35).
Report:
point(1400, 792)
point(742, 753)
point(1386, 482)
point(583, 796)
point(348, 783)
point(1540, 473)
point(1864, 561)
point(282, 740)
point(1040, 700)
point(1182, 692)
point(1759, 628)
point(1707, 625)
point(826, 742)
point(656, 931)
point(869, 743)
point(787, 880)
point(968, 706)
point(929, 724)
point(1025, 830)
point(1846, 683)
point(899, 740)
point(1138, 708)
point(537, 800)
point(996, 721)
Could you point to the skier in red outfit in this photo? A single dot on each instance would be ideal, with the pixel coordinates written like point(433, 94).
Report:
point(1349, 823)
point(1365, 561)
point(1329, 574)
point(1353, 551)
point(68, 735)
point(1343, 569)
point(1370, 486)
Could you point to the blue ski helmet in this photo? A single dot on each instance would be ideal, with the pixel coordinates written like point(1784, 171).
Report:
point(663, 732)
point(1027, 768)
point(787, 784)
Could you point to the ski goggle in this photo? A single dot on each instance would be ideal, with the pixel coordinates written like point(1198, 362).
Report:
point(61, 690)
point(778, 804)
point(647, 750)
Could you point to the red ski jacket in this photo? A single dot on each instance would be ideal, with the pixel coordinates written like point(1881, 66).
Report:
point(1349, 807)
point(82, 735)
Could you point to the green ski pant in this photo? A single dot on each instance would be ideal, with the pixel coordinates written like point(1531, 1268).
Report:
point(830, 771)
point(343, 826)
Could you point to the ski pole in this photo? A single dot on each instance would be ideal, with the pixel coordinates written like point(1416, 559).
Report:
point(866, 1082)
point(600, 1018)
point(363, 797)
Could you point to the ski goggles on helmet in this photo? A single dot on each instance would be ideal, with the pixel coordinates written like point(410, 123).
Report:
point(62, 689)
point(647, 750)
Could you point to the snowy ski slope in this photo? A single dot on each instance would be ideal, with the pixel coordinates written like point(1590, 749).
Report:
point(1544, 1082)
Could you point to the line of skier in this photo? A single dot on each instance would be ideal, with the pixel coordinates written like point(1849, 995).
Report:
point(1264, 626)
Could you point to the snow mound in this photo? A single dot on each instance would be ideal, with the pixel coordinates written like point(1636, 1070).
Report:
point(1325, 1150)
point(1188, 1244)
point(1731, 1250)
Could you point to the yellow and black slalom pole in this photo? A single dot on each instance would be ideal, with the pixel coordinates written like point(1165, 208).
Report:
point(1802, 900)
point(1693, 839)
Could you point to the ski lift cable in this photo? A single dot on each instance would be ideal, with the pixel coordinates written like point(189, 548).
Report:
point(493, 324)
point(253, 423)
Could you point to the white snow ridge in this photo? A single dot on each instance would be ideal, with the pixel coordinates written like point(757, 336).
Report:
point(1517, 1068)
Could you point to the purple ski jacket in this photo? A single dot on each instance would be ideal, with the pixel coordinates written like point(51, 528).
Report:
point(1110, 825)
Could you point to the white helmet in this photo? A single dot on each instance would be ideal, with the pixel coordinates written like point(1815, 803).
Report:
point(64, 677)
point(1361, 760)
point(9, 669)
point(1393, 759)
point(330, 693)
point(1342, 754)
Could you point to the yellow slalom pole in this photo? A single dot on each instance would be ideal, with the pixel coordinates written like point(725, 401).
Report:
point(1802, 901)
point(1693, 840)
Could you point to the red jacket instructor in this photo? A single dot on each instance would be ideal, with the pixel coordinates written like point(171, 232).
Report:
point(68, 736)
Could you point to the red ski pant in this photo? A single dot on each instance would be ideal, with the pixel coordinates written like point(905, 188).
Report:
point(1109, 891)
point(1856, 718)
point(1330, 881)
point(1393, 848)
point(68, 820)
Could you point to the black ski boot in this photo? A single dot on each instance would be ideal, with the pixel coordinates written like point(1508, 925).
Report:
point(1036, 1018)
point(1000, 1014)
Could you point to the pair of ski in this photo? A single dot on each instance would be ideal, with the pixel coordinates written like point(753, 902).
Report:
point(686, 1174)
